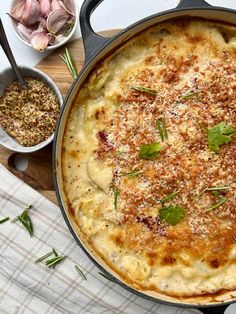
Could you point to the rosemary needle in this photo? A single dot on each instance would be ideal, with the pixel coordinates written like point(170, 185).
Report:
point(24, 218)
point(168, 197)
point(40, 259)
point(107, 277)
point(54, 261)
point(4, 220)
point(79, 271)
point(70, 62)
point(222, 201)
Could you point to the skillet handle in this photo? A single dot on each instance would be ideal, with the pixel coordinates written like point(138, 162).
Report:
point(214, 310)
point(91, 40)
point(192, 3)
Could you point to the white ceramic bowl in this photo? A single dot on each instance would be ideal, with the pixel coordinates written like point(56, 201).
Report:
point(8, 76)
point(52, 47)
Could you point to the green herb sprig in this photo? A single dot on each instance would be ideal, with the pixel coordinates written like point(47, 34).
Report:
point(143, 89)
point(173, 214)
point(70, 62)
point(52, 262)
point(107, 277)
point(4, 220)
point(191, 96)
point(79, 271)
point(168, 197)
point(161, 126)
point(149, 151)
point(116, 195)
point(218, 135)
point(132, 174)
point(24, 218)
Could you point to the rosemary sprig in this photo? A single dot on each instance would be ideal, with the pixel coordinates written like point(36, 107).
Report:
point(42, 258)
point(4, 220)
point(143, 89)
point(161, 125)
point(218, 188)
point(107, 277)
point(79, 271)
point(116, 195)
point(132, 174)
point(191, 96)
point(24, 218)
point(54, 261)
point(70, 62)
point(213, 188)
point(220, 202)
point(168, 197)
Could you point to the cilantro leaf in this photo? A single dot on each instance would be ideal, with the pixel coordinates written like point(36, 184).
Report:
point(173, 214)
point(218, 135)
point(149, 151)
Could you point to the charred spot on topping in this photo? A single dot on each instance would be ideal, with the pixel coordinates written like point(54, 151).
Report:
point(99, 113)
point(214, 263)
point(168, 260)
point(153, 224)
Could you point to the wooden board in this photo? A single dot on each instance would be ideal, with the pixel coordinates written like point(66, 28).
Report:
point(39, 171)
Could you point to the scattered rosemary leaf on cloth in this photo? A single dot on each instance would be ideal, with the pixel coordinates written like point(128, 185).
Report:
point(149, 151)
point(79, 271)
point(219, 134)
point(42, 258)
point(4, 220)
point(52, 262)
point(24, 218)
point(107, 277)
point(173, 214)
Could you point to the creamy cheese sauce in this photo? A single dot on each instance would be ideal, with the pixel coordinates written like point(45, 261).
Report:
point(189, 68)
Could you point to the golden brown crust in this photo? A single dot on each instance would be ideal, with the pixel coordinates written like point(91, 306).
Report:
point(192, 88)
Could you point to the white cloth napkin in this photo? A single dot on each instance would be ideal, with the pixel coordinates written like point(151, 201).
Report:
point(27, 287)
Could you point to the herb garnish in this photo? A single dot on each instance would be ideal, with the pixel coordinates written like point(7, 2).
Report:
point(107, 277)
point(24, 218)
point(219, 134)
point(116, 194)
point(144, 90)
point(161, 125)
point(79, 271)
point(220, 202)
point(4, 220)
point(70, 62)
point(168, 197)
point(191, 96)
point(52, 261)
point(173, 214)
point(218, 188)
point(149, 151)
point(42, 258)
point(132, 174)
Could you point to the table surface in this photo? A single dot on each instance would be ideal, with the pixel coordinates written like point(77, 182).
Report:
point(110, 14)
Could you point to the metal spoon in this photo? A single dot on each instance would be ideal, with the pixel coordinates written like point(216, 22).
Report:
point(5, 46)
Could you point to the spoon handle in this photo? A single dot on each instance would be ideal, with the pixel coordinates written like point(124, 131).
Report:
point(5, 46)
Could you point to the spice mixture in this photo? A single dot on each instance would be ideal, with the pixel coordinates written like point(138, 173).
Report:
point(29, 115)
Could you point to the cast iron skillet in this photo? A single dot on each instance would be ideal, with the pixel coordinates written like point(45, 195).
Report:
point(96, 48)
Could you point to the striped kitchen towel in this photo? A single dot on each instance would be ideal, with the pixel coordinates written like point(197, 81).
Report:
point(29, 287)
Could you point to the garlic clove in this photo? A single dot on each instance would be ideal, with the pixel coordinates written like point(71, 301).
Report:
point(43, 22)
point(56, 20)
point(68, 6)
point(18, 10)
point(40, 40)
point(31, 12)
point(45, 7)
point(55, 6)
point(24, 32)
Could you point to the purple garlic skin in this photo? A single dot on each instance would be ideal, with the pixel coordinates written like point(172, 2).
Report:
point(44, 22)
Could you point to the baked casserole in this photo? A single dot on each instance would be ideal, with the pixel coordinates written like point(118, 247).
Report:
point(149, 162)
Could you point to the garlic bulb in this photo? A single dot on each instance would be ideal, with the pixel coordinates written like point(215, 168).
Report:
point(40, 22)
